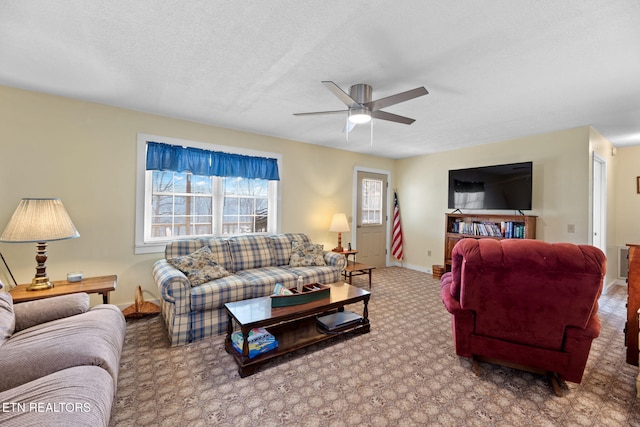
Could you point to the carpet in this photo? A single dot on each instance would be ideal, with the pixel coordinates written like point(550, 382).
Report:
point(403, 373)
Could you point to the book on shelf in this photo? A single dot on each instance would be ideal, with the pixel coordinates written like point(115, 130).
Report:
point(507, 229)
point(514, 230)
point(477, 228)
point(260, 341)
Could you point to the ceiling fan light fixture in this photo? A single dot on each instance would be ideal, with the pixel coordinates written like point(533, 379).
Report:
point(359, 115)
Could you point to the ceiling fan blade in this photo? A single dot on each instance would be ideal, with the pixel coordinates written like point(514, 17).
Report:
point(317, 113)
point(342, 95)
point(383, 115)
point(396, 99)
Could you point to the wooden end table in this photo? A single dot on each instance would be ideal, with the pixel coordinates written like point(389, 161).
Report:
point(357, 269)
point(347, 253)
point(92, 285)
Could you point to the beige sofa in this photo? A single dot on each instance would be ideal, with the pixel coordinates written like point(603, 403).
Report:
point(59, 361)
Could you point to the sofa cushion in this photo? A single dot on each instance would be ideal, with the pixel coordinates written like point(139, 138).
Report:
point(217, 245)
point(215, 294)
point(282, 245)
point(77, 396)
point(317, 274)
point(92, 338)
point(249, 252)
point(263, 280)
point(7, 318)
point(39, 311)
point(307, 254)
point(200, 266)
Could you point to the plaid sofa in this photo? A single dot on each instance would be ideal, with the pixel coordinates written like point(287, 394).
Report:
point(256, 264)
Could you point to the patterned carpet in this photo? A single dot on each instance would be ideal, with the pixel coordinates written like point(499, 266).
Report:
point(403, 373)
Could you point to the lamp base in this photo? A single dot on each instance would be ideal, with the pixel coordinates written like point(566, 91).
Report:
point(39, 284)
point(339, 248)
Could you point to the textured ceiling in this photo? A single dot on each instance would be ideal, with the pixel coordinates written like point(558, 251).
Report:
point(494, 70)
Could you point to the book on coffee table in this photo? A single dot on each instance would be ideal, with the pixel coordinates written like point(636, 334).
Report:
point(260, 341)
point(339, 320)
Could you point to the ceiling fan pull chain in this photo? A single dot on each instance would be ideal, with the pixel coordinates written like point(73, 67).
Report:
point(371, 121)
point(346, 130)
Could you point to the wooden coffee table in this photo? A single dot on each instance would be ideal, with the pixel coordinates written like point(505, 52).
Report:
point(294, 327)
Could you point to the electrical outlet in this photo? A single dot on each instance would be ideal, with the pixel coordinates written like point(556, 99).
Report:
point(428, 253)
point(571, 228)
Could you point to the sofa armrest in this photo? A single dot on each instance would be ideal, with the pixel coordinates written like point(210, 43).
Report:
point(335, 259)
point(39, 311)
point(173, 285)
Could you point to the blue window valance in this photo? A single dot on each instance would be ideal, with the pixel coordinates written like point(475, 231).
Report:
point(166, 157)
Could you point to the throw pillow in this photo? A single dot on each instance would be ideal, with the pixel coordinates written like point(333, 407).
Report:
point(306, 254)
point(7, 318)
point(199, 267)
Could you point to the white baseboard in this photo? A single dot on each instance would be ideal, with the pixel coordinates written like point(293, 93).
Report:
point(411, 266)
point(616, 282)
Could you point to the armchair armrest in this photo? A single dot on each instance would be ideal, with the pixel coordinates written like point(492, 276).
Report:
point(335, 259)
point(39, 311)
point(450, 303)
point(173, 285)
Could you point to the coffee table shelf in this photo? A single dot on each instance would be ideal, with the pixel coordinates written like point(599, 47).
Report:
point(294, 327)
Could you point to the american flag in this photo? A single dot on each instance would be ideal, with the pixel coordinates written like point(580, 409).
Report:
point(396, 245)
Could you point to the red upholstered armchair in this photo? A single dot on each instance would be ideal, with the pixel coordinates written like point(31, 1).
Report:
point(525, 303)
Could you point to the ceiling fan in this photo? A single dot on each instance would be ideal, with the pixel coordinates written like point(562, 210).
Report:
point(361, 109)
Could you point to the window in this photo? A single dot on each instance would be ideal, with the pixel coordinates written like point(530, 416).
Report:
point(371, 202)
point(181, 205)
point(246, 205)
point(174, 205)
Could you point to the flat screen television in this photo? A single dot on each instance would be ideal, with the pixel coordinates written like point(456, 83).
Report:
point(499, 187)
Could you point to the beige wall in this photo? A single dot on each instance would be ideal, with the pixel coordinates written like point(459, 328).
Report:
point(561, 189)
point(85, 154)
point(627, 200)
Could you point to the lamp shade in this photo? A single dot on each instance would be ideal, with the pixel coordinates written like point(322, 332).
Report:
point(339, 223)
point(39, 220)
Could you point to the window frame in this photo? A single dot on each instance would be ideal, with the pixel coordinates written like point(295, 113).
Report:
point(143, 187)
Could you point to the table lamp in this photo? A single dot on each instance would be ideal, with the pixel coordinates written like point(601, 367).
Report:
point(339, 223)
point(39, 221)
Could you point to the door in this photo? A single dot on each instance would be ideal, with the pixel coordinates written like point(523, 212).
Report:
point(371, 218)
point(599, 198)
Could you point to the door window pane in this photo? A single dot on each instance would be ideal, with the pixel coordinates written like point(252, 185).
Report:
point(371, 202)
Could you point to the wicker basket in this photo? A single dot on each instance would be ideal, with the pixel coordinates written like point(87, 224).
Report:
point(438, 271)
point(140, 307)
